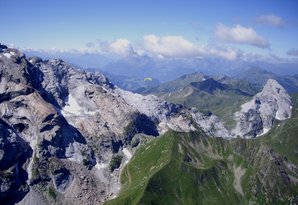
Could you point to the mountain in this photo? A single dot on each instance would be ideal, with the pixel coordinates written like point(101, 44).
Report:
point(73, 130)
point(192, 168)
point(256, 117)
point(221, 95)
point(209, 85)
point(177, 84)
point(68, 136)
point(167, 69)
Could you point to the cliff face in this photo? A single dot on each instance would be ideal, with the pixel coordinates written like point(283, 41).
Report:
point(70, 127)
point(14, 152)
point(256, 117)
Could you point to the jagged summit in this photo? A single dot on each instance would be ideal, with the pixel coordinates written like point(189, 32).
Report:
point(256, 116)
point(274, 88)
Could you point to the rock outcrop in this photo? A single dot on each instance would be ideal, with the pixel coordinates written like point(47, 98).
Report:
point(14, 153)
point(256, 117)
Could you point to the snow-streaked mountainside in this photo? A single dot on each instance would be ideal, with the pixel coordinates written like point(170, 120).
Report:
point(73, 131)
point(75, 124)
point(256, 117)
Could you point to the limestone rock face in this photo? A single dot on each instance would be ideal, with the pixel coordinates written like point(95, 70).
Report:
point(256, 117)
point(66, 125)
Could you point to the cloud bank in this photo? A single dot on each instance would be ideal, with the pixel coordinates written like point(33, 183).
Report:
point(170, 46)
point(121, 47)
point(241, 35)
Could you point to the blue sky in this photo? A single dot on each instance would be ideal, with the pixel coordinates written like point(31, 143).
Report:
point(162, 28)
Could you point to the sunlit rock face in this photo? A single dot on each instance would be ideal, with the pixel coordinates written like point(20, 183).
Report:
point(257, 116)
point(68, 125)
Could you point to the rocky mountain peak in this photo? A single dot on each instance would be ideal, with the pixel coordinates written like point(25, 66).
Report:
point(273, 93)
point(274, 88)
point(256, 117)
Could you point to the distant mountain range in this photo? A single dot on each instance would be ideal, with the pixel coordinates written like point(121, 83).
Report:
point(166, 69)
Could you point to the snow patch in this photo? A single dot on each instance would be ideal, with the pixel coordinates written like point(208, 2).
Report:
point(277, 116)
point(32, 143)
point(7, 55)
point(265, 130)
point(127, 154)
point(73, 107)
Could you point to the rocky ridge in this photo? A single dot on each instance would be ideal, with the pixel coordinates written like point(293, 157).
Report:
point(71, 124)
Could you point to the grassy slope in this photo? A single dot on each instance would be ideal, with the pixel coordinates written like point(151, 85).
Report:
point(180, 168)
point(149, 159)
point(161, 174)
point(205, 179)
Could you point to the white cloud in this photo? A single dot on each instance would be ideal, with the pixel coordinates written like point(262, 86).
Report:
point(179, 47)
point(121, 47)
point(271, 20)
point(170, 46)
point(241, 35)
